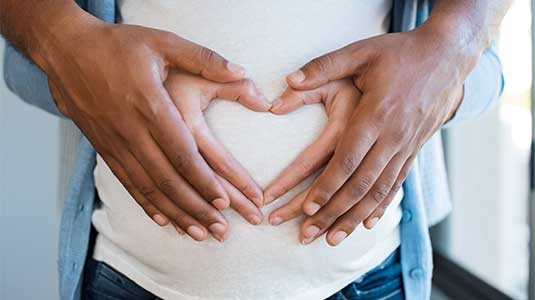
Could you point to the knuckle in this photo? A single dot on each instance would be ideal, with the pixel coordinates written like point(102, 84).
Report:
point(305, 167)
point(179, 217)
point(167, 186)
point(148, 192)
point(247, 86)
point(225, 168)
point(324, 63)
point(350, 223)
point(206, 55)
point(380, 192)
point(320, 195)
point(183, 161)
point(349, 164)
point(399, 136)
point(360, 188)
point(380, 116)
point(397, 185)
point(142, 201)
point(326, 218)
point(247, 188)
point(339, 128)
point(127, 185)
point(206, 215)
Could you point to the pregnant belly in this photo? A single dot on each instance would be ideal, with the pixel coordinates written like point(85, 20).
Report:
point(255, 262)
point(254, 258)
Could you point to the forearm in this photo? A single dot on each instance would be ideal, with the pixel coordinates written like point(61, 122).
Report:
point(38, 28)
point(467, 27)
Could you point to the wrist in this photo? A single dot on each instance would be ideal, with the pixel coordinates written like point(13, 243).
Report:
point(453, 40)
point(53, 34)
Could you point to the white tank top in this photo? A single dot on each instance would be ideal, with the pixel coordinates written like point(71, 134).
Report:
point(270, 39)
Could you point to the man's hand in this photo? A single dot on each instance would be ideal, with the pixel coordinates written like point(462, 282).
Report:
point(409, 89)
point(109, 80)
point(192, 94)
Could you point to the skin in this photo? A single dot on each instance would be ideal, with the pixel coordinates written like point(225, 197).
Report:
point(340, 98)
point(109, 79)
point(192, 95)
point(410, 88)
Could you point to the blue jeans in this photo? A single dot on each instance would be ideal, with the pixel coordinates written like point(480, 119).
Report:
point(102, 282)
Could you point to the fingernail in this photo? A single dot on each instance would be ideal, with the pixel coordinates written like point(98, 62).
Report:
point(311, 231)
point(234, 68)
point(220, 203)
point(268, 199)
point(338, 237)
point(277, 104)
point(264, 99)
point(311, 208)
point(372, 222)
point(307, 241)
point(297, 76)
point(196, 233)
point(160, 220)
point(275, 221)
point(254, 219)
point(218, 230)
point(258, 201)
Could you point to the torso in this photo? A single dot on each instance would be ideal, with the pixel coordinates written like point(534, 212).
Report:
point(270, 39)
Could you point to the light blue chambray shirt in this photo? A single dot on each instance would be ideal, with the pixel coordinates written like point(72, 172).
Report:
point(426, 198)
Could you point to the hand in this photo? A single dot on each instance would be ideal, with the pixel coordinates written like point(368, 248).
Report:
point(341, 98)
point(411, 85)
point(192, 94)
point(109, 80)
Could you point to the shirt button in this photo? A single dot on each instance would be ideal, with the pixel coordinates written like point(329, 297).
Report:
point(82, 207)
point(416, 273)
point(407, 215)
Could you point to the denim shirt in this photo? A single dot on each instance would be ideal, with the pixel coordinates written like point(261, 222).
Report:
point(426, 198)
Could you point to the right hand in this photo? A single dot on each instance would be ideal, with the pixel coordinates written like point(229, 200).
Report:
point(109, 80)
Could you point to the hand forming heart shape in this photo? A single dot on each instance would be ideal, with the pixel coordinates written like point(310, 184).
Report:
point(192, 94)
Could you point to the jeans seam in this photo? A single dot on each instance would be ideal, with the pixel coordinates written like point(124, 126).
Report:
point(390, 295)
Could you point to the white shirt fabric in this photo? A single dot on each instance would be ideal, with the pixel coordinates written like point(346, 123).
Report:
point(270, 39)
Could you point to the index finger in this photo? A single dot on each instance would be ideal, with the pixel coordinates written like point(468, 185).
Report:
point(175, 140)
point(354, 144)
point(306, 163)
point(197, 59)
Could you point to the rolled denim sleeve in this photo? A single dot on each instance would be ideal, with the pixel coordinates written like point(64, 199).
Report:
point(482, 88)
point(27, 81)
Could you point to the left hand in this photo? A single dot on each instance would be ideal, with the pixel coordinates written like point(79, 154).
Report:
point(192, 94)
point(411, 84)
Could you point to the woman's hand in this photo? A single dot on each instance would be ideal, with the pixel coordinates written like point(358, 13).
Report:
point(411, 84)
point(192, 94)
point(341, 98)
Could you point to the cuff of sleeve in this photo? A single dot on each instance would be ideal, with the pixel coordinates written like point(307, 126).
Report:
point(482, 88)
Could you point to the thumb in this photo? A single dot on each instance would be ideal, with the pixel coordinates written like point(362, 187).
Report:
point(196, 59)
point(341, 63)
point(291, 100)
point(245, 92)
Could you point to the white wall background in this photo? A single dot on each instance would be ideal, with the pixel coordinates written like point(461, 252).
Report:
point(29, 207)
